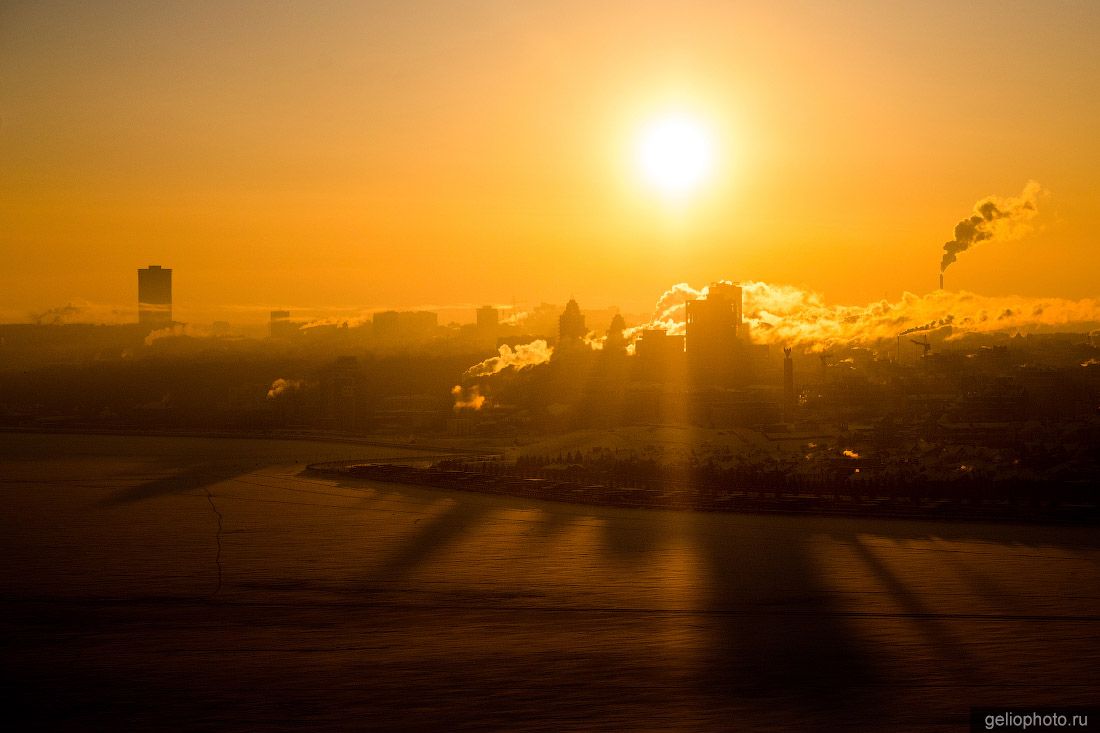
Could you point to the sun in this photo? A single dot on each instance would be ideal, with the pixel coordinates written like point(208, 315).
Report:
point(675, 154)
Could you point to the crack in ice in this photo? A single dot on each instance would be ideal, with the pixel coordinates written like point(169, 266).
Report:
point(218, 539)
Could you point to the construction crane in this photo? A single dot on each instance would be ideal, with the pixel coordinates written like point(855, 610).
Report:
point(924, 345)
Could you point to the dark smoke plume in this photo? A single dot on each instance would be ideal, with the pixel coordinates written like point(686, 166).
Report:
point(938, 323)
point(994, 218)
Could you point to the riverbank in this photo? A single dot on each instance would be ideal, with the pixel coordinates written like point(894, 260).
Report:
point(843, 500)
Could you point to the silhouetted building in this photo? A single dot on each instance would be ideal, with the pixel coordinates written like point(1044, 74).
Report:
point(615, 343)
point(715, 320)
point(658, 353)
point(488, 325)
point(404, 325)
point(488, 319)
point(571, 323)
point(715, 352)
point(386, 324)
point(155, 296)
point(281, 325)
point(421, 324)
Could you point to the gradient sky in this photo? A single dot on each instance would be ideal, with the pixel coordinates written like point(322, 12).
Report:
point(399, 154)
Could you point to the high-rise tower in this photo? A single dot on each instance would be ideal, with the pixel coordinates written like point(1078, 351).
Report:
point(488, 319)
point(715, 333)
point(155, 296)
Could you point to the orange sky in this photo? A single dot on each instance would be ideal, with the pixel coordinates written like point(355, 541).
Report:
point(393, 154)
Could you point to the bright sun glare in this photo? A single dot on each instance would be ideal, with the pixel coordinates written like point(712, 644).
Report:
point(675, 154)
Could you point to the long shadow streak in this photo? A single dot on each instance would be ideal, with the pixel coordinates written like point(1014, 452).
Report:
point(183, 482)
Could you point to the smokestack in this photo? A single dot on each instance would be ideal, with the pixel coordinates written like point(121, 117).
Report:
point(789, 400)
point(941, 281)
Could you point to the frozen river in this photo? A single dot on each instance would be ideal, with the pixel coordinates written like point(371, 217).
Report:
point(189, 583)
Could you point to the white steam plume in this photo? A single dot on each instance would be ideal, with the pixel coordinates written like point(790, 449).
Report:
point(469, 399)
point(284, 386)
point(524, 355)
point(175, 331)
point(785, 314)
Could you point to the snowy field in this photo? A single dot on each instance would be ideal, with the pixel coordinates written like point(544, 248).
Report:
point(187, 583)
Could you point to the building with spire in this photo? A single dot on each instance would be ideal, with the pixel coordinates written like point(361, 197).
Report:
point(571, 323)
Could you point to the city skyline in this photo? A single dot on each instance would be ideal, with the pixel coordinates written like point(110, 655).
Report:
point(471, 365)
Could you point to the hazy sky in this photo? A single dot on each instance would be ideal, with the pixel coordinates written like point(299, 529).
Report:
point(366, 154)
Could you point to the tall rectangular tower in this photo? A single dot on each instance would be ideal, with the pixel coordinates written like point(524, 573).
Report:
point(155, 296)
point(714, 328)
point(488, 319)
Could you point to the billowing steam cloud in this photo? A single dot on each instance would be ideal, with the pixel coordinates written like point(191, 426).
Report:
point(284, 386)
point(469, 399)
point(62, 314)
point(83, 311)
point(994, 219)
point(339, 322)
point(670, 311)
point(790, 316)
point(524, 355)
point(176, 330)
point(784, 314)
point(932, 325)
